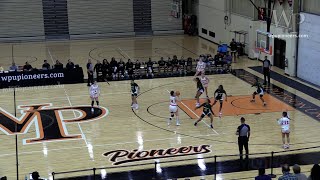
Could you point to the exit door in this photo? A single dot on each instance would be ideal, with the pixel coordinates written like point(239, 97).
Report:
point(279, 53)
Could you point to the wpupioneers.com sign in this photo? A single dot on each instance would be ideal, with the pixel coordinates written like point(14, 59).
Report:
point(123, 156)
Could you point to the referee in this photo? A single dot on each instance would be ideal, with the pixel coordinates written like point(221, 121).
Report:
point(243, 132)
point(266, 66)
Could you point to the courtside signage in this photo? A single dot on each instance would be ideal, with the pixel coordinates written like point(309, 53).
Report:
point(118, 157)
point(50, 123)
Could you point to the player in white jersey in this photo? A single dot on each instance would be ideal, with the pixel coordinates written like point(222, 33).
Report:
point(94, 94)
point(205, 82)
point(201, 66)
point(284, 122)
point(173, 108)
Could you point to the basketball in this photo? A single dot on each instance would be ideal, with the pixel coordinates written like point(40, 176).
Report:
point(177, 93)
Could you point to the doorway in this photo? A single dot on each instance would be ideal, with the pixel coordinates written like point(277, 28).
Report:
point(279, 53)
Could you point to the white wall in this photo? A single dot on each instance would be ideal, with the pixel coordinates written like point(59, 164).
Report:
point(211, 17)
point(211, 14)
point(309, 49)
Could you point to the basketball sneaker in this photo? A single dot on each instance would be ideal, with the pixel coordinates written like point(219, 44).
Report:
point(252, 100)
point(195, 124)
point(211, 126)
point(178, 123)
point(197, 104)
point(220, 114)
point(264, 103)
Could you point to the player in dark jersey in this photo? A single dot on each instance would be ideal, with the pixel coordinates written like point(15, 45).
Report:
point(129, 68)
point(137, 67)
point(134, 94)
point(121, 68)
point(200, 90)
point(182, 65)
point(114, 68)
point(150, 68)
point(207, 111)
point(169, 66)
point(161, 66)
point(258, 91)
point(218, 96)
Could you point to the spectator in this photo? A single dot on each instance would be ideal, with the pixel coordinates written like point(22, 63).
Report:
point(27, 67)
point(58, 65)
point(69, 65)
point(137, 67)
point(266, 67)
point(211, 60)
point(35, 176)
point(286, 173)
point(114, 68)
point(106, 69)
point(244, 134)
point(233, 47)
point(98, 69)
point(129, 68)
point(223, 48)
point(3, 178)
point(228, 58)
point(315, 173)
point(182, 65)
point(121, 67)
point(189, 64)
point(13, 67)
point(175, 63)
point(297, 172)
point(162, 65)
point(46, 65)
point(150, 68)
point(262, 175)
point(218, 59)
point(169, 65)
point(90, 72)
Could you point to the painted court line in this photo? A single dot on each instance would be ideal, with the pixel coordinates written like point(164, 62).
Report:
point(83, 136)
point(124, 53)
point(50, 55)
point(72, 96)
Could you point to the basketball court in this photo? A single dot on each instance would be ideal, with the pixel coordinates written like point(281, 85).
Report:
point(115, 127)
